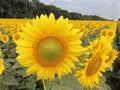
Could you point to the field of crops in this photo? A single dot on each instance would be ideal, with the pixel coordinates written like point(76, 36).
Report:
point(14, 75)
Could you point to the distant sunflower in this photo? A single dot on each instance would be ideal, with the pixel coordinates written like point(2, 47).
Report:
point(101, 42)
point(49, 47)
point(1, 64)
point(4, 38)
point(0, 34)
point(113, 54)
point(15, 36)
point(111, 34)
point(103, 32)
point(108, 33)
point(0, 52)
point(89, 75)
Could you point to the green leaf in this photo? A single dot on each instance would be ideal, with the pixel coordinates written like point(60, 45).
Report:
point(62, 88)
point(16, 65)
point(11, 55)
point(102, 85)
point(9, 80)
point(68, 82)
point(31, 84)
point(21, 72)
point(7, 64)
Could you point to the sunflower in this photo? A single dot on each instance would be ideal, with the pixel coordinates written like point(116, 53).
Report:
point(113, 54)
point(15, 36)
point(1, 64)
point(103, 32)
point(101, 42)
point(49, 47)
point(108, 33)
point(89, 75)
point(0, 34)
point(0, 52)
point(4, 38)
point(111, 34)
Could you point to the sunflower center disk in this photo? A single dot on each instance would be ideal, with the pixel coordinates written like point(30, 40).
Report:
point(49, 51)
point(93, 66)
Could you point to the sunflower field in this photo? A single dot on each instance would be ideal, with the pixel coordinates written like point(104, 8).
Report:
point(49, 54)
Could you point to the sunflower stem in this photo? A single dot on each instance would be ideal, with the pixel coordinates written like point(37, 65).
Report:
point(47, 84)
point(44, 86)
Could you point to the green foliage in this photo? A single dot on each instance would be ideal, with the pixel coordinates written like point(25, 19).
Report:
point(103, 85)
point(68, 82)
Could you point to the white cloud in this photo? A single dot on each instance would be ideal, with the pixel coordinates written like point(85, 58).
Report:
point(108, 2)
point(119, 10)
point(104, 8)
point(51, 0)
point(69, 1)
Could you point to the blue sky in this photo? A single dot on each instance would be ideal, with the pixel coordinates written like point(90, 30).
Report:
point(105, 8)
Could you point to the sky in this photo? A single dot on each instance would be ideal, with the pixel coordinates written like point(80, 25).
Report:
point(109, 9)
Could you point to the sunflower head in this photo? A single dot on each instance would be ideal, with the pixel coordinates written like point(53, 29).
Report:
point(96, 63)
point(53, 47)
point(1, 66)
point(103, 32)
point(112, 56)
point(0, 52)
point(15, 36)
point(108, 33)
point(100, 43)
point(111, 33)
point(4, 38)
point(90, 74)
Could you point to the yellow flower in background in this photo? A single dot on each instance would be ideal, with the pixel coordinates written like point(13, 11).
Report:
point(49, 47)
point(108, 33)
point(4, 38)
point(0, 34)
point(8, 30)
point(89, 75)
point(0, 52)
point(92, 31)
point(1, 66)
point(15, 36)
point(101, 42)
point(103, 32)
point(113, 54)
point(111, 33)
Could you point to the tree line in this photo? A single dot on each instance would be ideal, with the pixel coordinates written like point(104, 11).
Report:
point(31, 8)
